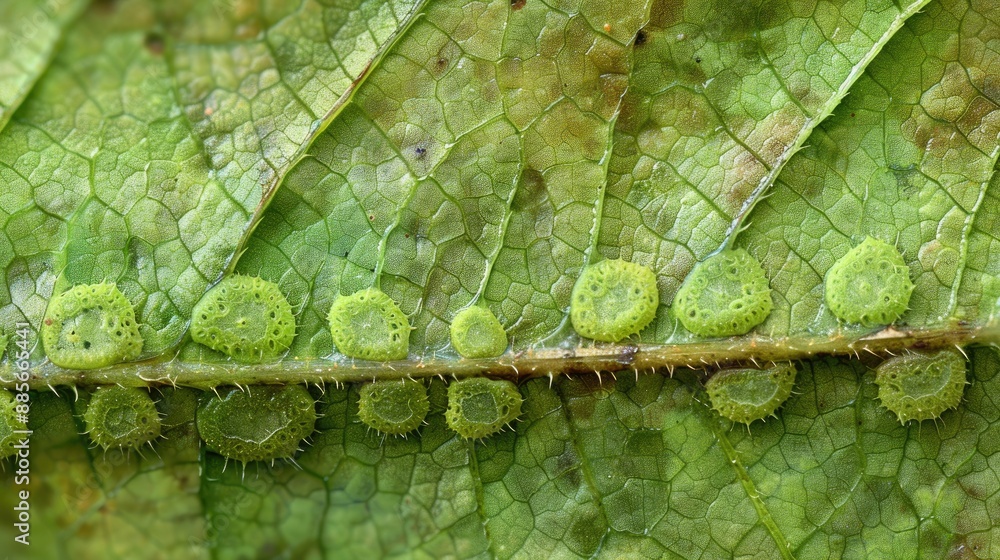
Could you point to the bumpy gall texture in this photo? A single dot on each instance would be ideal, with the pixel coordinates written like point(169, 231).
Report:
point(480, 407)
point(9, 423)
point(921, 386)
point(90, 326)
point(260, 424)
point(393, 407)
point(121, 417)
point(370, 326)
point(746, 394)
point(476, 333)
point(727, 294)
point(246, 318)
point(869, 285)
point(613, 299)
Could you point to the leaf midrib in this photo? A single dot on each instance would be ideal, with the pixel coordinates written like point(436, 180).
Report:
point(708, 354)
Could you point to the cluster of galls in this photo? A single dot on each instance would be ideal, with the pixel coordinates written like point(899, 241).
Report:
point(268, 422)
point(477, 407)
point(250, 320)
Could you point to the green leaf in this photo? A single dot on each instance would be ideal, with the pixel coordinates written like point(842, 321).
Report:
point(453, 154)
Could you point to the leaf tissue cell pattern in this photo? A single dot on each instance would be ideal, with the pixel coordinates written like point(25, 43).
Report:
point(480, 407)
point(919, 386)
point(747, 394)
point(90, 326)
point(244, 317)
point(613, 300)
point(369, 325)
point(393, 407)
point(726, 294)
point(909, 157)
point(869, 285)
point(477, 333)
point(123, 417)
point(490, 155)
point(262, 423)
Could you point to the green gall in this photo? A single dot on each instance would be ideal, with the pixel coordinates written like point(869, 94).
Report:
point(262, 423)
point(246, 318)
point(748, 394)
point(921, 386)
point(480, 407)
point(121, 417)
point(476, 333)
point(613, 299)
point(393, 407)
point(90, 326)
point(869, 285)
point(727, 294)
point(10, 423)
point(370, 326)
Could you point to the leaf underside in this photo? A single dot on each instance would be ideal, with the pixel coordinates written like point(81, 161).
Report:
point(455, 154)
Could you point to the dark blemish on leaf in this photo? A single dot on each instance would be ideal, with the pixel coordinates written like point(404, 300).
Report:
point(421, 152)
point(640, 38)
point(567, 463)
point(697, 59)
point(627, 355)
point(105, 6)
point(531, 190)
point(406, 235)
point(517, 4)
point(371, 217)
point(644, 443)
point(908, 179)
point(587, 531)
point(852, 115)
point(440, 65)
point(154, 43)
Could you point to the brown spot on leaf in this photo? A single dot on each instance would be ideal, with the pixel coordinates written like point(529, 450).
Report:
point(640, 38)
point(154, 43)
point(440, 65)
point(517, 4)
point(104, 6)
point(530, 190)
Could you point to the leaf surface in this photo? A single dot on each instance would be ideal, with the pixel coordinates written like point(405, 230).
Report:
point(454, 154)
